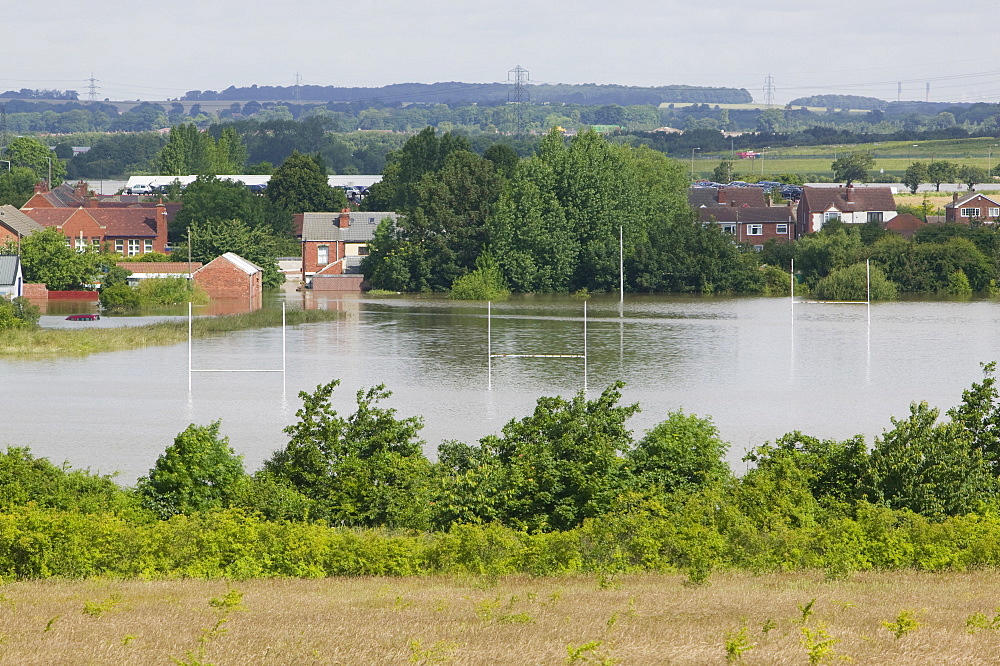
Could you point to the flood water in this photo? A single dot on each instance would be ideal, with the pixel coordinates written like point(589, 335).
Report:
point(759, 367)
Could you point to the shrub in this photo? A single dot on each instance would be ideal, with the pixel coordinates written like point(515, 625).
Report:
point(850, 284)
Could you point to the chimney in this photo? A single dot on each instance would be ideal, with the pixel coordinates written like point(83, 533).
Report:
point(344, 219)
point(722, 195)
point(81, 189)
point(41, 187)
point(850, 193)
point(161, 227)
point(954, 197)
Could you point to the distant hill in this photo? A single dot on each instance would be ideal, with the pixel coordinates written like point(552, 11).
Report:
point(456, 92)
point(842, 102)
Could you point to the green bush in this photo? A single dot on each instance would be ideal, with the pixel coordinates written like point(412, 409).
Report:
point(850, 284)
point(120, 298)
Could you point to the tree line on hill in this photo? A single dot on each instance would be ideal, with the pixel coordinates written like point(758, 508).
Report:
point(567, 488)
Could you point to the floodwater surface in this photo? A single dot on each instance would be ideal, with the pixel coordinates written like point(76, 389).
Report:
point(759, 367)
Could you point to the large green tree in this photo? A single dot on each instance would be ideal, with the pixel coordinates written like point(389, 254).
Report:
point(914, 175)
point(421, 154)
point(941, 171)
point(300, 185)
point(209, 199)
point(47, 258)
point(365, 470)
point(853, 167)
point(547, 471)
point(28, 152)
point(198, 472)
point(683, 452)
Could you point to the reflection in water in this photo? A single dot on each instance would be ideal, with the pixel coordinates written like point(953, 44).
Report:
point(829, 371)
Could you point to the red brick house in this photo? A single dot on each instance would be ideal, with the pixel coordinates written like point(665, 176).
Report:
point(15, 225)
point(61, 196)
point(335, 243)
point(850, 205)
point(127, 231)
point(973, 207)
point(754, 225)
point(232, 276)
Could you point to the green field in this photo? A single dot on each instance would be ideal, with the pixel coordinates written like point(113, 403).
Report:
point(893, 157)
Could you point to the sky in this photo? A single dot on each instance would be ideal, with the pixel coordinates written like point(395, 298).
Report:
point(156, 50)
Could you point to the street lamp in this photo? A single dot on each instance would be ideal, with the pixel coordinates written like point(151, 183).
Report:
point(48, 183)
point(692, 161)
point(762, 159)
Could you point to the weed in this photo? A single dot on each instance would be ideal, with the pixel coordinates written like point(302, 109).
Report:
point(819, 645)
point(554, 597)
point(698, 573)
point(99, 608)
point(487, 608)
point(905, 623)
point(978, 621)
point(401, 603)
point(435, 654)
point(768, 625)
point(51, 623)
point(440, 606)
point(737, 643)
point(515, 618)
point(609, 582)
point(588, 653)
point(128, 638)
point(807, 610)
point(226, 606)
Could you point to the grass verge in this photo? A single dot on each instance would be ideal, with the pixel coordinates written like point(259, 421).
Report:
point(59, 342)
point(790, 618)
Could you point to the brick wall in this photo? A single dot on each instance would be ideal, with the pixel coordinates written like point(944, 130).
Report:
point(337, 282)
point(222, 279)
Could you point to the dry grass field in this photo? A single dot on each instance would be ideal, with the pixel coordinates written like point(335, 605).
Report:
point(642, 619)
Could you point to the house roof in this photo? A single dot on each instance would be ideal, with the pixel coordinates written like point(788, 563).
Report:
point(125, 221)
point(778, 214)
point(17, 221)
point(961, 201)
point(9, 265)
point(731, 196)
point(61, 196)
point(158, 267)
point(247, 267)
point(847, 199)
point(323, 226)
point(117, 222)
point(905, 224)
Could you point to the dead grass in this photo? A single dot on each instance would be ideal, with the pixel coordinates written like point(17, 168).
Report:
point(651, 619)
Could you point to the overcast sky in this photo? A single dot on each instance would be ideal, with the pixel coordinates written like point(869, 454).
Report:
point(160, 50)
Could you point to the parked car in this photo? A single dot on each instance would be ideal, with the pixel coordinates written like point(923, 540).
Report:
point(257, 188)
point(738, 183)
point(140, 188)
point(83, 317)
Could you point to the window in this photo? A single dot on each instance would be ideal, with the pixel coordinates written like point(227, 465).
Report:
point(95, 241)
point(729, 228)
point(147, 246)
point(755, 229)
point(831, 215)
point(874, 216)
point(133, 247)
point(362, 250)
point(323, 254)
point(119, 246)
point(994, 212)
point(970, 212)
point(758, 247)
point(781, 228)
point(81, 244)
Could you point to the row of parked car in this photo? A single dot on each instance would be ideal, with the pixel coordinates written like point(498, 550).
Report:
point(791, 192)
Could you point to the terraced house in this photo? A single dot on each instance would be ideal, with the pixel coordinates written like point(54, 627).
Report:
point(127, 231)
